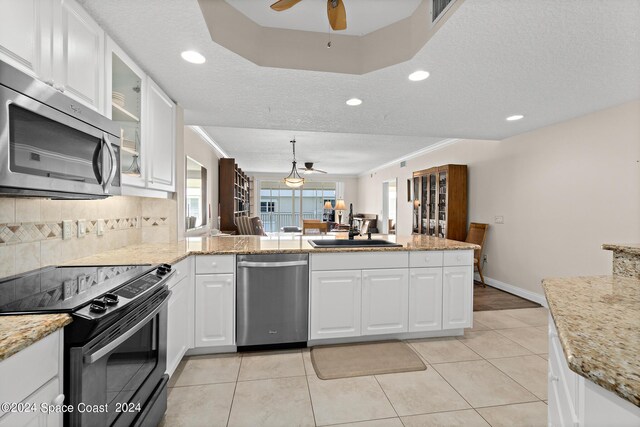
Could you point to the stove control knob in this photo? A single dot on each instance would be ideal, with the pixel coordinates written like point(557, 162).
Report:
point(161, 271)
point(111, 299)
point(98, 306)
point(166, 267)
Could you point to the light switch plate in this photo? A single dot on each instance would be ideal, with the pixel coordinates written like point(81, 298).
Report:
point(66, 229)
point(499, 219)
point(82, 228)
point(100, 227)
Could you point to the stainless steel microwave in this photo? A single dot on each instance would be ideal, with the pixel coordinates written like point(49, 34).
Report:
point(52, 146)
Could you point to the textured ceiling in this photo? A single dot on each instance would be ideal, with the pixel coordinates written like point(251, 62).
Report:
point(268, 150)
point(549, 60)
point(363, 16)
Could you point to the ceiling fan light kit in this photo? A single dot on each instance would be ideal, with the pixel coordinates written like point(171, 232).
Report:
point(294, 180)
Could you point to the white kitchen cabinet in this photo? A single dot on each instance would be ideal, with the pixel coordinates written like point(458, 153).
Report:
point(35, 377)
point(124, 78)
point(425, 299)
point(57, 42)
point(160, 139)
point(335, 304)
point(21, 30)
point(214, 310)
point(457, 297)
point(385, 300)
point(78, 54)
point(179, 327)
point(37, 418)
point(575, 401)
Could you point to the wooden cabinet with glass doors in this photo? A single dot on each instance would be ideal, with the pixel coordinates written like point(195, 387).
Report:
point(440, 202)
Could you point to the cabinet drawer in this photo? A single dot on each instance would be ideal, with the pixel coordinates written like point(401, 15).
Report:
point(212, 264)
point(419, 259)
point(46, 394)
point(359, 261)
point(453, 258)
point(30, 369)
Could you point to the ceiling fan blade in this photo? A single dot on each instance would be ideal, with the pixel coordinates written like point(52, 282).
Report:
point(337, 15)
point(281, 5)
point(319, 171)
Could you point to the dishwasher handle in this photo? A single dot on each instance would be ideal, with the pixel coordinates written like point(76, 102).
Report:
point(252, 264)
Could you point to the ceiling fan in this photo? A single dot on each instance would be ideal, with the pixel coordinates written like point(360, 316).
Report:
point(309, 169)
point(335, 12)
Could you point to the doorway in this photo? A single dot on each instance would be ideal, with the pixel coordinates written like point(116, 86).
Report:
point(389, 206)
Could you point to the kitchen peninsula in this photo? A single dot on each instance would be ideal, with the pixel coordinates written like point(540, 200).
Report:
point(594, 344)
point(423, 288)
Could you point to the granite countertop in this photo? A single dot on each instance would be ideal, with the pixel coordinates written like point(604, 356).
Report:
point(630, 248)
point(598, 323)
point(219, 245)
point(18, 332)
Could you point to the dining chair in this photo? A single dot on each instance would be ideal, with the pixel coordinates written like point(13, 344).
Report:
point(477, 233)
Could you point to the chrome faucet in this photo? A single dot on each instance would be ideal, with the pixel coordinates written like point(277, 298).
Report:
point(352, 231)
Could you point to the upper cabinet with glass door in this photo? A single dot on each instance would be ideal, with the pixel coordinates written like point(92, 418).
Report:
point(146, 116)
point(126, 83)
point(57, 42)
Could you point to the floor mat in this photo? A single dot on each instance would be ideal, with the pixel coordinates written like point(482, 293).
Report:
point(355, 360)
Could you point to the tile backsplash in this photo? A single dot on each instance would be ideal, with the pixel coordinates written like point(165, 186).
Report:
point(31, 229)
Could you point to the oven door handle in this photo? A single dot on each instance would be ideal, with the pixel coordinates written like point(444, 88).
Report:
point(106, 349)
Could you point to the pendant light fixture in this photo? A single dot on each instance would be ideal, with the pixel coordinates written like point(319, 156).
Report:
point(294, 180)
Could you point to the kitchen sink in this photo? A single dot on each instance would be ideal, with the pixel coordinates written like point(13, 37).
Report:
point(344, 243)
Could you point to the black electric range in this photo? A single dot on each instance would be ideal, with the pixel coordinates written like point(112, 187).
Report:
point(115, 348)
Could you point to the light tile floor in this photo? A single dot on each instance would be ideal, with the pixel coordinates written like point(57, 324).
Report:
point(494, 375)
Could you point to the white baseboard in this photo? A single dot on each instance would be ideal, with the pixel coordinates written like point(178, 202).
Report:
point(531, 296)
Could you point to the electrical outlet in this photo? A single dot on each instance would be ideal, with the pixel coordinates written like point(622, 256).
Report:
point(499, 219)
point(484, 258)
point(66, 229)
point(82, 227)
point(69, 289)
point(82, 284)
point(100, 227)
point(100, 275)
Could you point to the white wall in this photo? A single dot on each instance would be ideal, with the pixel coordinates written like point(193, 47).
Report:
point(563, 191)
point(199, 150)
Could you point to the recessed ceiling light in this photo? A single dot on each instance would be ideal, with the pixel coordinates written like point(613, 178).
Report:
point(515, 117)
point(193, 57)
point(354, 101)
point(417, 76)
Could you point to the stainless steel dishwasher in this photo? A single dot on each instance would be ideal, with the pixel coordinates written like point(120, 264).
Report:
point(272, 299)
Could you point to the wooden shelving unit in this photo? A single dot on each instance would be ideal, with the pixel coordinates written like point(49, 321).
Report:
point(234, 194)
point(440, 202)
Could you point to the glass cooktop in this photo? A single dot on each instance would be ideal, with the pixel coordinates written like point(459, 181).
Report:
point(62, 289)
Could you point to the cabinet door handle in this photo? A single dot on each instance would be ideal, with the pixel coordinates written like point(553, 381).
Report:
point(459, 258)
point(214, 264)
point(553, 378)
point(58, 400)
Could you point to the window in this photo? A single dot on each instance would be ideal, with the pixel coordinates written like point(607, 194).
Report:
point(281, 206)
point(267, 206)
